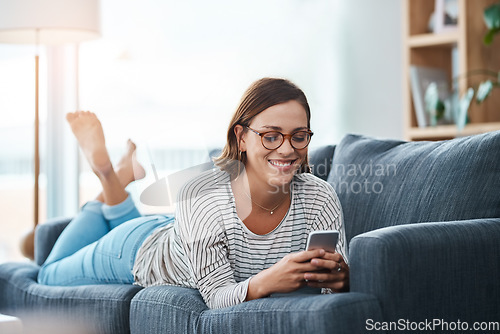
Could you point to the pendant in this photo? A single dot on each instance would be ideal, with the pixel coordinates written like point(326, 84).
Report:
point(272, 212)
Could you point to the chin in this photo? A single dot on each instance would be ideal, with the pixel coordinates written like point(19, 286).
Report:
point(281, 180)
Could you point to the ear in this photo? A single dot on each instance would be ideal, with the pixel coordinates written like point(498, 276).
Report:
point(240, 137)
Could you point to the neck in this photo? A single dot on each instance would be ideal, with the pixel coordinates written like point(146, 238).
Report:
point(263, 193)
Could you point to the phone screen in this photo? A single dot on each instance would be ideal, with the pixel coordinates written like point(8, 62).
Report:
point(326, 240)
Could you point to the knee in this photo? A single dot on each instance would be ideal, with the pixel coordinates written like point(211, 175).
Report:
point(45, 274)
point(42, 275)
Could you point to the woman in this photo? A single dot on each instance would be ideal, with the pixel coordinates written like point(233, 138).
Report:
point(240, 229)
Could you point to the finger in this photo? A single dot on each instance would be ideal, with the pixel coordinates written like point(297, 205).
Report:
point(333, 256)
point(330, 264)
point(327, 264)
point(313, 284)
point(324, 277)
point(308, 255)
point(305, 267)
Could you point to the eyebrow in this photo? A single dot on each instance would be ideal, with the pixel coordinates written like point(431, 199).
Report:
point(277, 128)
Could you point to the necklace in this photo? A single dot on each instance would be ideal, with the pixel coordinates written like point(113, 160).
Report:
point(271, 211)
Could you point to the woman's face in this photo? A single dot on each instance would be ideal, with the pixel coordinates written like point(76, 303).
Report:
point(277, 167)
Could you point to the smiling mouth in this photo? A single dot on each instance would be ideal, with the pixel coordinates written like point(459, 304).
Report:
point(279, 163)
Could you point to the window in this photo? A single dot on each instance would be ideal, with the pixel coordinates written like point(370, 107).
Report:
point(169, 74)
point(17, 107)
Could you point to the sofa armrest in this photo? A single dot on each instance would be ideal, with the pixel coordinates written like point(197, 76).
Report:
point(426, 271)
point(100, 308)
point(171, 309)
point(46, 235)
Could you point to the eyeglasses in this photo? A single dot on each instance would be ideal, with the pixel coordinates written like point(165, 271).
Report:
point(274, 139)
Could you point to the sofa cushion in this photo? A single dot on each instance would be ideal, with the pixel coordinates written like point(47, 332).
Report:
point(384, 183)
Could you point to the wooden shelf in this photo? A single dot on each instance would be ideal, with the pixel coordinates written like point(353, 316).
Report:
point(454, 52)
point(427, 40)
point(451, 131)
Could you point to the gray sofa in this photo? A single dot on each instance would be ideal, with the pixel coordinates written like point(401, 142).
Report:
point(423, 222)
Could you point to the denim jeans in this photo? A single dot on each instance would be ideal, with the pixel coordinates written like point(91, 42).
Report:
point(99, 245)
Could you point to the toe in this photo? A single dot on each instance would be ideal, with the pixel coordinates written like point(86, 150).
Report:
point(131, 145)
point(70, 116)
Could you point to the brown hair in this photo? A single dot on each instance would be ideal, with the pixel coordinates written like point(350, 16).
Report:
point(261, 95)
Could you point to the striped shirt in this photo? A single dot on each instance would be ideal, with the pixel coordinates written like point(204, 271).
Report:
point(209, 248)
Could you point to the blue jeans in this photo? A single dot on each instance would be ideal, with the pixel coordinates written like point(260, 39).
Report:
point(99, 245)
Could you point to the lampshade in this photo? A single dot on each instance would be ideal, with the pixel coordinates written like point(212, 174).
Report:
point(49, 22)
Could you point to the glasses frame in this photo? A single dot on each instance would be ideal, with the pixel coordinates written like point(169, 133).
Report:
point(283, 136)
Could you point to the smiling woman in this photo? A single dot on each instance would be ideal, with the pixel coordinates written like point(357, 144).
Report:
point(238, 234)
point(272, 106)
point(271, 169)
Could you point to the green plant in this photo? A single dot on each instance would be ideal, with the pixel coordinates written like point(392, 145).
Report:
point(437, 108)
point(492, 20)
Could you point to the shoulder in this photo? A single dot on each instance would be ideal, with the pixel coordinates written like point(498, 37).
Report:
point(314, 191)
point(319, 199)
point(207, 182)
point(201, 203)
point(204, 197)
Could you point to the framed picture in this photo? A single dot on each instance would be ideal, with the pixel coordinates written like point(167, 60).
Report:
point(420, 79)
point(445, 16)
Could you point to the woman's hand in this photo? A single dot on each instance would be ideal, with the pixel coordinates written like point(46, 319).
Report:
point(331, 272)
point(286, 275)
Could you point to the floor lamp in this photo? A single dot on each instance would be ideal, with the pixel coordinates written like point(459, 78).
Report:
point(46, 22)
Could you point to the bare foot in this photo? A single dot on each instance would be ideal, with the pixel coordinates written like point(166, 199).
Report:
point(88, 131)
point(128, 168)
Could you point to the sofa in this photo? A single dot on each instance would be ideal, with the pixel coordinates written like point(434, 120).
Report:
point(423, 224)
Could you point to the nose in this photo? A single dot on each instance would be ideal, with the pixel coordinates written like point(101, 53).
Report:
point(286, 148)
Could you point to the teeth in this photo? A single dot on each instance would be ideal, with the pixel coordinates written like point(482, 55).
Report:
point(280, 164)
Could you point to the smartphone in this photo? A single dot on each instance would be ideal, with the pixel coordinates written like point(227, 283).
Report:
point(326, 240)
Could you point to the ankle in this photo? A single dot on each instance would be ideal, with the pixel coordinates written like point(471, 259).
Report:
point(104, 171)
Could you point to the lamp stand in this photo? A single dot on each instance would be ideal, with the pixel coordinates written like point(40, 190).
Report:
point(37, 141)
point(28, 240)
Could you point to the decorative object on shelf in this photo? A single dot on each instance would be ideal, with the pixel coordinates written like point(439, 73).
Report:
point(51, 22)
point(463, 107)
point(431, 110)
point(445, 16)
point(435, 110)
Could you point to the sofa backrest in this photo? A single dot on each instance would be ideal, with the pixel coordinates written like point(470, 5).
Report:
point(320, 160)
point(383, 183)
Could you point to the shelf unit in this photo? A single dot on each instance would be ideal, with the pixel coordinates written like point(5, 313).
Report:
point(423, 48)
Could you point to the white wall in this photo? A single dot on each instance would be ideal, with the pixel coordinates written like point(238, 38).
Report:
point(369, 40)
point(345, 54)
